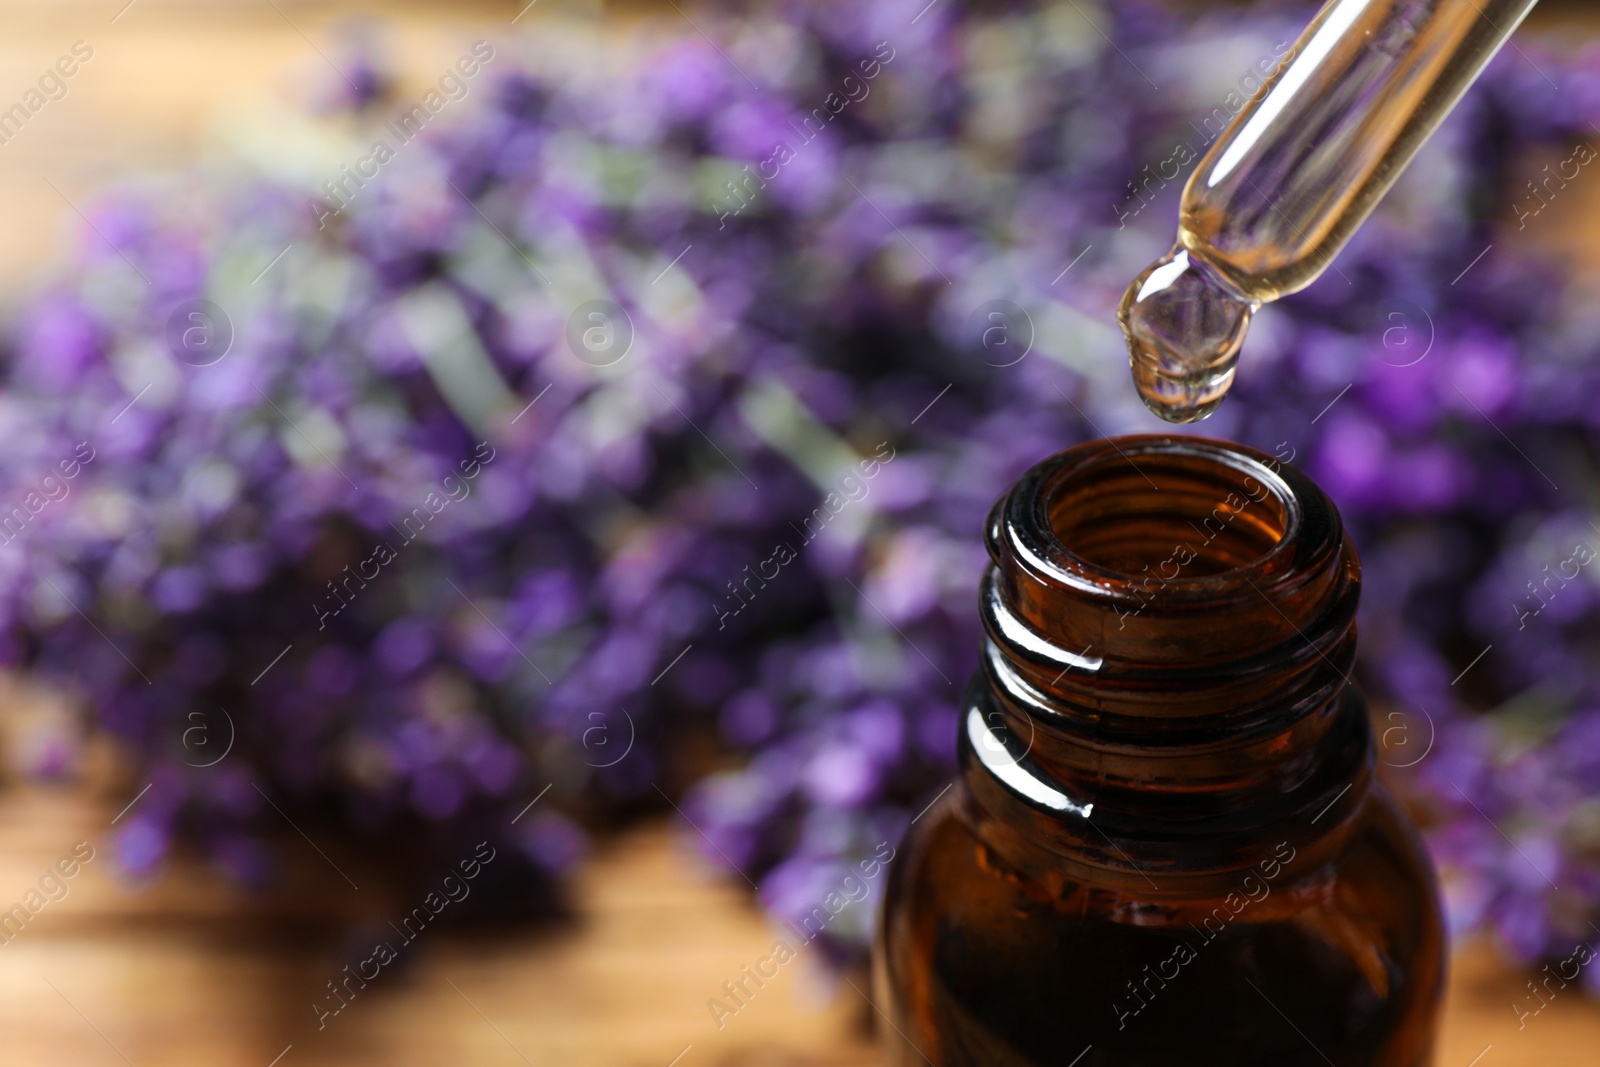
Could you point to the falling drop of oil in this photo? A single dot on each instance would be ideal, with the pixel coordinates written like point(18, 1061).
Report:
point(1184, 324)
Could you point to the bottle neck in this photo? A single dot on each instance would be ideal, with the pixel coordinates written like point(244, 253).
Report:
point(1164, 692)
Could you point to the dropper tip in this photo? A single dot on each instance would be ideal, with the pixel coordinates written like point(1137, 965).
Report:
point(1184, 326)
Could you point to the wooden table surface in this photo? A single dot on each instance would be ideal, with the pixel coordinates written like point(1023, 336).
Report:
point(191, 971)
point(188, 970)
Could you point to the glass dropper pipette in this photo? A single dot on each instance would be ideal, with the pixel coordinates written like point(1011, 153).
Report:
point(1293, 176)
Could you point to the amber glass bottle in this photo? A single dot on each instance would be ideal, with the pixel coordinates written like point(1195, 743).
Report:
point(1166, 845)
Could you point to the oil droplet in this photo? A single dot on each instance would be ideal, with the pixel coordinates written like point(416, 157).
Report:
point(1184, 324)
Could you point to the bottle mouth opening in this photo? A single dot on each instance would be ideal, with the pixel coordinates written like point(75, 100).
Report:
point(1170, 508)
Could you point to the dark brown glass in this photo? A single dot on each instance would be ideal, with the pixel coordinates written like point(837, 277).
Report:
point(1165, 845)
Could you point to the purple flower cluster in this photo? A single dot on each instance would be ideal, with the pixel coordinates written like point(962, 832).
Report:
point(632, 436)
